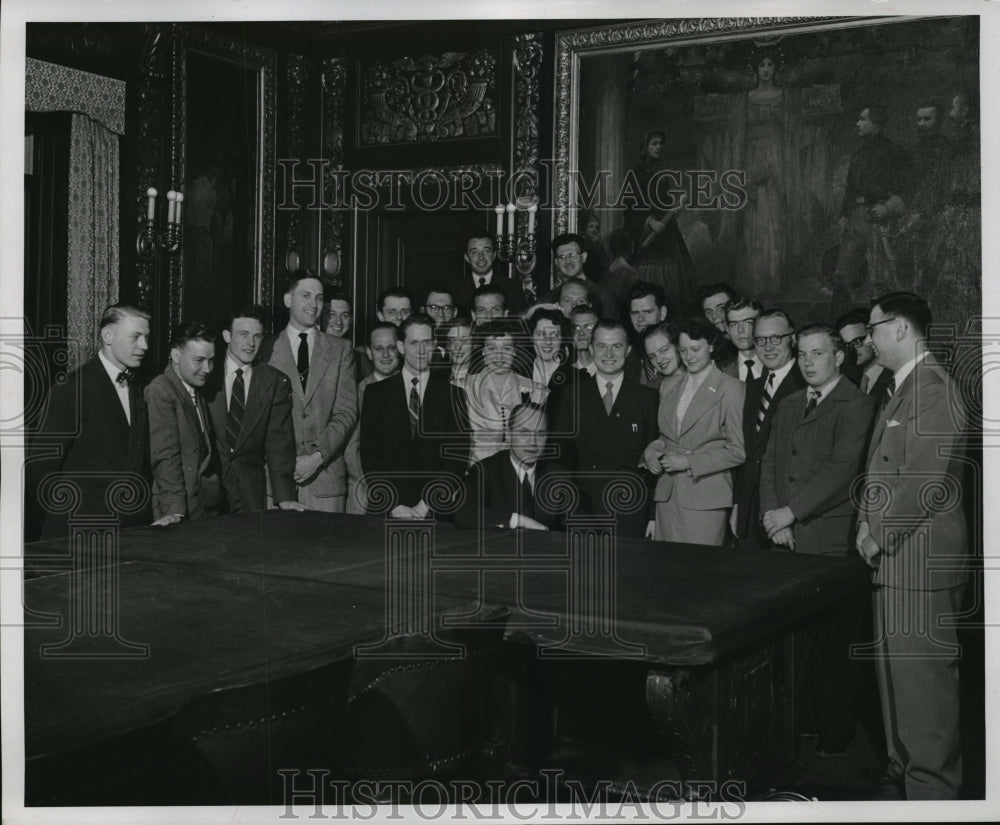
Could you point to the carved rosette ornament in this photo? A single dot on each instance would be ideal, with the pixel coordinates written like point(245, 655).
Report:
point(429, 98)
point(333, 80)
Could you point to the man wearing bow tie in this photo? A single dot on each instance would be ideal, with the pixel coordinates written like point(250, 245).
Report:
point(94, 434)
point(912, 532)
point(186, 464)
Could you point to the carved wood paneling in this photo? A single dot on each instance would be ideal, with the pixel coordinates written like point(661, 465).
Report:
point(333, 80)
point(297, 87)
point(527, 96)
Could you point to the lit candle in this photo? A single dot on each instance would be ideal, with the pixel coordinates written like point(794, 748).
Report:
point(499, 211)
point(180, 200)
point(531, 218)
point(510, 218)
point(151, 204)
point(171, 205)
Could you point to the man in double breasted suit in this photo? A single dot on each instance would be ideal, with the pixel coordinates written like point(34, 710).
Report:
point(915, 537)
point(774, 340)
point(94, 433)
point(615, 418)
point(320, 368)
point(409, 434)
point(251, 409)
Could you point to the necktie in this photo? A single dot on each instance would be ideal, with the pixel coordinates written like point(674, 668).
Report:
point(206, 442)
point(303, 359)
point(890, 388)
point(527, 497)
point(414, 406)
point(237, 404)
point(482, 282)
point(813, 401)
point(609, 398)
point(765, 400)
point(649, 369)
point(865, 383)
point(749, 365)
point(124, 377)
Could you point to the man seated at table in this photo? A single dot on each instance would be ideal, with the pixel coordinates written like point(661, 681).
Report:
point(409, 432)
point(502, 491)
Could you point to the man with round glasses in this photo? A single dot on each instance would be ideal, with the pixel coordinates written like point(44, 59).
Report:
point(860, 366)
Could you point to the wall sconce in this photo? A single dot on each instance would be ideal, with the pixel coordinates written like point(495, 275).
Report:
point(149, 239)
point(513, 248)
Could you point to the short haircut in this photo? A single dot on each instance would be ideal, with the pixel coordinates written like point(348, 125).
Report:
point(777, 313)
point(854, 316)
point(381, 325)
point(461, 319)
point(620, 243)
point(584, 309)
point(488, 289)
point(718, 287)
point(570, 282)
point(255, 311)
point(292, 278)
point(439, 288)
point(877, 114)
point(642, 289)
point(907, 305)
point(825, 329)
point(412, 321)
point(665, 328)
point(191, 331)
point(394, 292)
point(553, 315)
point(477, 236)
point(340, 295)
point(336, 295)
point(698, 328)
point(744, 303)
point(567, 238)
point(117, 312)
point(609, 324)
point(528, 408)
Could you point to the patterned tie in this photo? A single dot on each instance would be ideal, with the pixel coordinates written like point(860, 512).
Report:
point(414, 406)
point(765, 400)
point(749, 365)
point(609, 398)
point(237, 403)
point(813, 401)
point(124, 377)
point(648, 369)
point(303, 358)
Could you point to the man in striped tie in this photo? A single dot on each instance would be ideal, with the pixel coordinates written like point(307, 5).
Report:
point(774, 339)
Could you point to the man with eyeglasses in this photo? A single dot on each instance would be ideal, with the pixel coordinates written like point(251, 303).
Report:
point(569, 256)
point(860, 365)
point(774, 341)
point(740, 317)
point(440, 306)
point(480, 256)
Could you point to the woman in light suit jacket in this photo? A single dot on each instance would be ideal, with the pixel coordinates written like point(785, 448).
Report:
point(701, 440)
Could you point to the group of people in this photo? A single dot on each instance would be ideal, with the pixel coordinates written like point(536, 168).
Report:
point(733, 427)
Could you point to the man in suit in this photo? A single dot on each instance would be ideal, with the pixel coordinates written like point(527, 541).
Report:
point(816, 450)
point(408, 425)
point(568, 252)
point(904, 534)
point(488, 304)
point(713, 299)
point(615, 421)
point(860, 365)
point(501, 490)
point(647, 305)
point(775, 346)
point(251, 410)
point(439, 304)
point(741, 315)
point(94, 432)
point(186, 464)
point(394, 305)
point(320, 369)
point(480, 257)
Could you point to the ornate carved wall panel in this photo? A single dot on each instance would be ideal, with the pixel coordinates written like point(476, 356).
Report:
point(333, 80)
point(290, 220)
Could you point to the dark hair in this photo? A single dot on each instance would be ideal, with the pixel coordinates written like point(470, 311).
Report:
point(643, 288)
point(584, 309)
point(117, 312)
point(877, 114)
point(336, 295)
point(665, 328)
point(620, 243)
point(412, 321)
point(475, 236)
point(546, 314)
point(907, 305)
point(759, 53)
point(255, 311)
point(394, 292)
point(384, 325)
point(854, 316)
point(489, 289)
point(698, 327)
point(744, 303)
point(191, 331)
point(646, 138)
point(777, 313)
point(292, 278)
point(497, 328)
point(439, 288)
point(461, 319)
point(567, 238)
point(569, 282)
point(609, 324)
point(709, 290)
point(525, 408)
point(825, 329)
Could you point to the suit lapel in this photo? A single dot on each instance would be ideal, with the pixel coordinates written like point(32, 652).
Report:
point(257, 394)
point(138, 430)
point(190, 411)
point(110, 397)
point(703, 401)
point(319, 362)
point(282, 359)
point(668, 403)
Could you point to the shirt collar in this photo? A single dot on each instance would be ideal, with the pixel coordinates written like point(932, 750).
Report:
point(488, 278)
point(110, 368)
point(185, 384)
point(616, 383)
point(873, 371)
point(696, 379)
point(232, 365)
point(293, 337)
point(826, 389)
point(908, 367)
point(409, 375)
point(781, 372)
point(521, 468)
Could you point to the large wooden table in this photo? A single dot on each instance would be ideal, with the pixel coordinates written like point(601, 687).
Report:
point(220, 603)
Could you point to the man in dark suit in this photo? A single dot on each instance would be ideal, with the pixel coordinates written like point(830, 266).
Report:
point(774, 343)
point(647, 305)
point(860, 365)
point(320, 369)
point(94, 433)
point(409, 433)
point(814, 454)
point(615, 422)
point(741, 315)
point(480, 256)
point(186, 466)
point(502, 490)
point(251, 410)
point(714, 299)
point(916, 543)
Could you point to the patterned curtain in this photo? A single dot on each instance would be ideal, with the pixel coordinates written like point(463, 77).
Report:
point(98, 104)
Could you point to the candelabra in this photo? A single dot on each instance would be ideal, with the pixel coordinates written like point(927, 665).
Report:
point(514, 248)
point(149, 238)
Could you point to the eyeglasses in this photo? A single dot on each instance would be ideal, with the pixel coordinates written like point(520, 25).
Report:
point(439, 308)
point(568, 256)
point(858, 342)
point(869, 328)
point(584, 327)
point(773, 340)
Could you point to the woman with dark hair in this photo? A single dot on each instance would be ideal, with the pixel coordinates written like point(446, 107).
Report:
point(661, 256)
point(550, 359)
point(701, 440)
